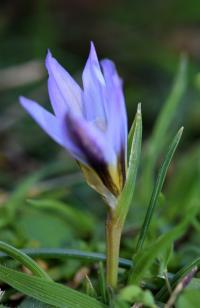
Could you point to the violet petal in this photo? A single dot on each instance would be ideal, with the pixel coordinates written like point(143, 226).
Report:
point(68, 88)
point(117, 124)
point(45, 119)
point(93, 85)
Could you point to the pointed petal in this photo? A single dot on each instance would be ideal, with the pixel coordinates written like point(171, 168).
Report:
point(57, 100)
point(94, 85)
point(117, 125)
point(68, 89)
point(45, 119)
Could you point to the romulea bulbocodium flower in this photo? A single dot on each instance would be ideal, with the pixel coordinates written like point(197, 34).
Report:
point(89, 122)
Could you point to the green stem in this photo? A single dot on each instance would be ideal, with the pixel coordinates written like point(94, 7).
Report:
point(113, 237)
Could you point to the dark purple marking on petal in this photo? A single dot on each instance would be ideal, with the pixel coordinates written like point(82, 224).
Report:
point(122, 166)
point(92, 152)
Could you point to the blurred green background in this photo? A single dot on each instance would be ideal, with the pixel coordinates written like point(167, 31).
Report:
point(146, 40)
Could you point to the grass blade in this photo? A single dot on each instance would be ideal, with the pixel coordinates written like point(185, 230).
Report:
point(145, 258)
point(131, 134)
point(62, 253)
point(169, 109)
point(157, 189)
point(47, 291)
point(127, 194)
point(24, 260)
point(102, 282)
point(158, 139)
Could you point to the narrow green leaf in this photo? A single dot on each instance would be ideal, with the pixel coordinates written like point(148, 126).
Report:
point(169, 109)
point(157, 189)
point(164, 259)
point(145, 258)
point(89, 288)
point(62, 253)
point(158, 139)
point(130, 136)
point(46, 291)
point(24, 260)
point(102, 282)
point(126, 196)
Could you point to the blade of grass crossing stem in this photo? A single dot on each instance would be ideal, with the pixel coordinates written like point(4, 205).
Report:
point(157, 188)
point(145, 258)
point(47, 291)
point(163, 293)
point(134, 159)
point(24, 260)
point(63, 254)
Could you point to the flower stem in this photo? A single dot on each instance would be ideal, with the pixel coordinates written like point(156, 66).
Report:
point(113, 237)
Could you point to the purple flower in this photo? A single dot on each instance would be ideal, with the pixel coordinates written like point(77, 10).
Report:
point(91, 123)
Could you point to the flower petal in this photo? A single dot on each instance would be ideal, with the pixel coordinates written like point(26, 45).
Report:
point(57, 100)
point(69, 90)
point(45, 119)
point(89, 139)
point(117, 125)
point(93, 85)
point(95, 151)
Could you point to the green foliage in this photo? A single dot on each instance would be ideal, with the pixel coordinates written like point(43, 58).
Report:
point(189, 298)
point(157, 188)
point(32, 303)
point(144, 258)
point(164, 259)
point(163, 292)
point(82, 221)
point(46, 291)
point(24, 260)
point(166, 116)
point(134, 150)
point(135, 294)
point(161, 130)
point(102, 283)
point(63, 254)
